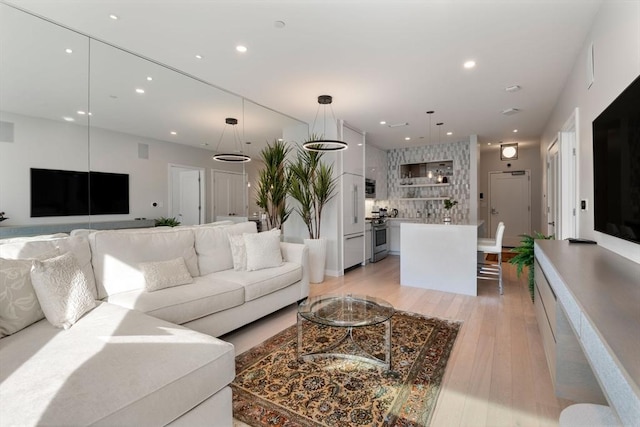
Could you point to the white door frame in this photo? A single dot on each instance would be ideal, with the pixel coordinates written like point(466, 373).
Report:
point(202, 187)
point(567, 182)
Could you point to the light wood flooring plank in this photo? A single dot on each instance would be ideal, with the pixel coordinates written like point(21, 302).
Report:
point(497, 374)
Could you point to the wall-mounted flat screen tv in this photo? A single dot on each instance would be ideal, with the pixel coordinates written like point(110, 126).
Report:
point(616, 166)
point(67, 193)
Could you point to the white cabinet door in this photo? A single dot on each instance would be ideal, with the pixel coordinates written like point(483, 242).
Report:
point(352, 204)
point(367, 242)
point(394, 231)
point(353, 156)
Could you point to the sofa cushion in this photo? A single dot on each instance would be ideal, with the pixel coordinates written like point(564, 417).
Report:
point(262, 282)
point(117, 256)
point(213, 248)
point(165, 274)
point(79, 246)
point(263, 250)
point(114, 367)
point(184, 303)
point(62, 289)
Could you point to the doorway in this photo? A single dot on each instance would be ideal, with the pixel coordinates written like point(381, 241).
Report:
point(186, 194)
point(553, 189)
point(229, 194)
point(510, 202)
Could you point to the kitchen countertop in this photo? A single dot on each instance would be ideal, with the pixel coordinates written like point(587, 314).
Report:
point(435, 221)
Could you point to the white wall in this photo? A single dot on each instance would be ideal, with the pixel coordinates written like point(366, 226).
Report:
point(615, 35)
point(58, 145)
point(528, 159)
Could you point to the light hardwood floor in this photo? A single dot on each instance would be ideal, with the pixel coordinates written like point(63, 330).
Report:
point(497, 374)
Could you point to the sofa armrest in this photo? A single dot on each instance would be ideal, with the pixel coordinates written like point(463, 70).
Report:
point(298, 253)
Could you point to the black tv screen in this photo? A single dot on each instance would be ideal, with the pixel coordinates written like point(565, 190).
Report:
point(616, 166)
point(67, 193)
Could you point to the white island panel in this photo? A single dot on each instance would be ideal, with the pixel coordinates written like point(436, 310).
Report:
point(441, 257)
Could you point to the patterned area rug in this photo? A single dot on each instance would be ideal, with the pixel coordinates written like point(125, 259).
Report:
point(274, 388)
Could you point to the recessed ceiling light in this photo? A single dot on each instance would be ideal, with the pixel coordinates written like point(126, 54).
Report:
point(488, 143)
point(280, 139)
point(515, 131)
point(199, 56)
point(149, 78)
point(449, 133)
point(82, 113)
point(139, 90)
point(510, 111)
point(69, 119)
point(360, 144)
point(513, 88)
point(114, 17)
point(173, 132)
point(241, 49)
point(68, 50)
point(469, 64)
point(383, 122)
point(407, 138)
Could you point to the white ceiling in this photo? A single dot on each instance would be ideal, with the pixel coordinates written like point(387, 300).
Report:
point(381, 60)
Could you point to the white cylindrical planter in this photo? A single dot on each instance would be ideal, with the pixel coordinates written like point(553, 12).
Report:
point(317, 258)
point(588, 414)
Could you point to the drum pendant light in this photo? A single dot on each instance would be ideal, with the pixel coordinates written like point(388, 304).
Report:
point(322, 144)
point(236, 157)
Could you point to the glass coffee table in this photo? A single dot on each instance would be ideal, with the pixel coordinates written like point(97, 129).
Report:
point(349, 313)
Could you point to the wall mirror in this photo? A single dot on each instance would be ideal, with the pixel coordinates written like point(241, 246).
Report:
point(105, 110)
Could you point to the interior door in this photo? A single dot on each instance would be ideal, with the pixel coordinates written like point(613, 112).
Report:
point(229, 194)
point(510, 202)
point(190, 203)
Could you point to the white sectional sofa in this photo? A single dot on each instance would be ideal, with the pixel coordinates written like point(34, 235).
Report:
point(143, 357)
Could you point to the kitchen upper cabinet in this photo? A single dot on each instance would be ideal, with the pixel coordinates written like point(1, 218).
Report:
point(376, 165)
point(353, 157)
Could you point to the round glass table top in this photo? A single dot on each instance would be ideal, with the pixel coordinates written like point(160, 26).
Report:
point(345, 310)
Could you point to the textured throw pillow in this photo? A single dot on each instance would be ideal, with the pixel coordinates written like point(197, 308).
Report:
point(238, 251)
point(165, 274)
point(62, 289)
point(19, 305)
point(263, 250)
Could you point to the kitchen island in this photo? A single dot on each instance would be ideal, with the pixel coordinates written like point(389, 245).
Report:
point(440, 256)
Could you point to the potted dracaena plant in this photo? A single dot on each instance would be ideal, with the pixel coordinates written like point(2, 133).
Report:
point(273, 184)
point(525, 256)
point(312, 187)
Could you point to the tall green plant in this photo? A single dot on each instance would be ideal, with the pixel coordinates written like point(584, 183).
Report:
point(525, 256)
point(273, 184)
point(312, 186)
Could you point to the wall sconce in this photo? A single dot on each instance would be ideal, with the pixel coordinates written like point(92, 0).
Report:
point(509, 151)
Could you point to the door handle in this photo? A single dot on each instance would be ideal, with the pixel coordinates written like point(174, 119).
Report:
point(553, 223)
point(494, 211)
point(355, 204)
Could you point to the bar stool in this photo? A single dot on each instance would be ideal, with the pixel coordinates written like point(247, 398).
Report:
point(489, 270)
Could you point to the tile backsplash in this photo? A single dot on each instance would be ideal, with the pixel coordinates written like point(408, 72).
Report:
point(458, 188)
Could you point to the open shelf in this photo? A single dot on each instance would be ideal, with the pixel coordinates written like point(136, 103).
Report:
point(446, 184)
point(425, 198)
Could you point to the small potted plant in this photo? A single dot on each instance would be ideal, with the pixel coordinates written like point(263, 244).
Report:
point(525, 256)
point(448, 205)
point(166, 222)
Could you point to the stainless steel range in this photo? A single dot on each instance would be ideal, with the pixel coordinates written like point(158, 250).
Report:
point(379, 239)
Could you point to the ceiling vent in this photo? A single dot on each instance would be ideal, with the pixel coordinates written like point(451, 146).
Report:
point(398, 125)
point(510, 111)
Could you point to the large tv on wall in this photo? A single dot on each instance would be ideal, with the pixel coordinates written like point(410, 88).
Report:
point(67, 193)
point(616, 166)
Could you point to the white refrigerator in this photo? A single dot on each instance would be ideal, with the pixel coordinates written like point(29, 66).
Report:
point(353, 219)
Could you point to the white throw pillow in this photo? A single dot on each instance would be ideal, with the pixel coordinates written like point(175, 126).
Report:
point(238, 252)
point(165, 274)
point(263, 250)
point(62, 289)
point(19, 305)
